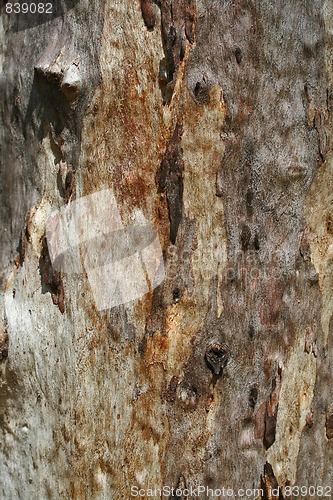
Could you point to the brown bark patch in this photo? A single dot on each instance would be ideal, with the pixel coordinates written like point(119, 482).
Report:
point(148, 14)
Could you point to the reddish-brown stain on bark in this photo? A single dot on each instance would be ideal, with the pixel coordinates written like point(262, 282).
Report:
point(272, 304)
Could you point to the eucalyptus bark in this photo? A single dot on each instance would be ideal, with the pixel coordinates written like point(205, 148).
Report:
point(212, 120)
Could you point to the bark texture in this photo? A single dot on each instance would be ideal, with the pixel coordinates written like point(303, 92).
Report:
point(213, 120)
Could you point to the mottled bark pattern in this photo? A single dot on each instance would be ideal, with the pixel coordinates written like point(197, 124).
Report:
point(212, 121)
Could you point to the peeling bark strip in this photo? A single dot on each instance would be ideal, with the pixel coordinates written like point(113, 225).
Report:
point(170, 179)
point(177, 26)
point(51, 279)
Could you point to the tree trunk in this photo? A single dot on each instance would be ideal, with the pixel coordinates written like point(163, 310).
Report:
point(210, 122)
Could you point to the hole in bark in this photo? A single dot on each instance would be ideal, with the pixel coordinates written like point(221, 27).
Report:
point(165, 80)
point(253, 397)
point(217, 357)
point(251, 331)
point(201, 93)
point(256, 243)
point(245, 237)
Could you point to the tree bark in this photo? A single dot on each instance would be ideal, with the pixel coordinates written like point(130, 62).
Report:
point(212, 121)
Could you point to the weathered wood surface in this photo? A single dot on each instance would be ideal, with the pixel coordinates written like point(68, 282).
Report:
point(213, 120)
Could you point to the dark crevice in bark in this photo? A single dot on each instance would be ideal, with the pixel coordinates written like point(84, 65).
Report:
point(4, 342)
point(217, 357)
point(266, 414)
point(329, 425)
point(253, 397)
point(170, 180)
point(51, 280)
point(269, 484)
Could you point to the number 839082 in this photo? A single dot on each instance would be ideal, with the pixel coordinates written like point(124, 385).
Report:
point(29, 8)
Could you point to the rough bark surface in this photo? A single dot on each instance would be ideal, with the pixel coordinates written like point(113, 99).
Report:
point(213, 120)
